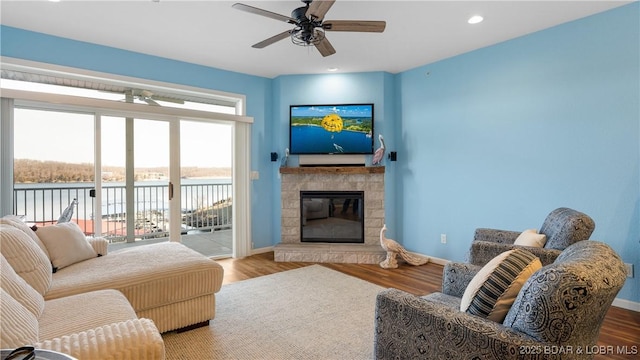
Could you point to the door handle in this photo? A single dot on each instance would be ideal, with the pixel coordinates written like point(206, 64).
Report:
point(170, 190)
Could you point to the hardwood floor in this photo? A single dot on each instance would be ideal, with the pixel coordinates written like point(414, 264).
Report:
point(620, 328)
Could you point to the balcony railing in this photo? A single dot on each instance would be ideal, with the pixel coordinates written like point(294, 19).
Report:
point(205, 205)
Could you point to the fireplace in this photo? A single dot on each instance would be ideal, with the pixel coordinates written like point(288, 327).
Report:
point(335, 185)
point(332, 216)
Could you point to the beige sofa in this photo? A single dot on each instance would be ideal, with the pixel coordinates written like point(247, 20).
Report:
point(140, 292)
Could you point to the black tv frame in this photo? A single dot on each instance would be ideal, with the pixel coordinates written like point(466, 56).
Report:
point(369, 151)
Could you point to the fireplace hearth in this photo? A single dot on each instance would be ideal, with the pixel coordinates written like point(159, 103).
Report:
point(330, 187)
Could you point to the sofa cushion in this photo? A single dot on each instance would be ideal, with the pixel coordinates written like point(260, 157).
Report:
point(26, 258)
point(170, 273)
point(105, 306)
point(531, 238)
point(66, 244)
point(15, 286)
point(17, 222)
point(494, 288)
point(19, 326)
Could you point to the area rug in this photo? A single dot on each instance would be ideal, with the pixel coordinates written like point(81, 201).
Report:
point(307, 313)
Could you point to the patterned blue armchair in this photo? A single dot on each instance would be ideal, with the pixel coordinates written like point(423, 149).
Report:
point(562, 227)
point(556, 315)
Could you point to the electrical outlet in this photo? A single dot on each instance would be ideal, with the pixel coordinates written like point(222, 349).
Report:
point(253, 245)
point(443, 238)
point(629, 268)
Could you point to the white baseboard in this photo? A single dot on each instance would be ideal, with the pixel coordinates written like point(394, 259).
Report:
point(261, 250)
point(437, 261)
point(626, 304)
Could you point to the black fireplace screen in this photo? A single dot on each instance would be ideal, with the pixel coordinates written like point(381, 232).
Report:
point(332, 216)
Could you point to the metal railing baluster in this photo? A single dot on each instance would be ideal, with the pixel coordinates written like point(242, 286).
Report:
point(204, 207)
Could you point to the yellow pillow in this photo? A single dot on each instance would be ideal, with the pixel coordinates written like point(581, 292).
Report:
point(493, 290)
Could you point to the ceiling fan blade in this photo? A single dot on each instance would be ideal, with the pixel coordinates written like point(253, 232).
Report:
point(273, 39)
point(354, 25)
point(258, 11)
point(166, 99)
point(149, 101)
point(318, 8)
point(325, 48)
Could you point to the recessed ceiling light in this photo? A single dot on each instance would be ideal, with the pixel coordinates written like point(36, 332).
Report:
point(332, 69)
point(475, 19)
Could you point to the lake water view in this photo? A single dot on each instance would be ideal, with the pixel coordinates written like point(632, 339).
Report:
point(46, 201)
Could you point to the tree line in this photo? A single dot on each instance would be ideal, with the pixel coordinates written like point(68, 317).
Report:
point(37, 171)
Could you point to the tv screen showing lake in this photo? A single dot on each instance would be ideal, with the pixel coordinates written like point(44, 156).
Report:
point(312, 139)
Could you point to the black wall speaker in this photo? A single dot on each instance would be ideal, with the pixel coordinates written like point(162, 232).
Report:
point(274, 156)
point(393, 156)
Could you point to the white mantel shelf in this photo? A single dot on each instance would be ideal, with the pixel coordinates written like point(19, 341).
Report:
point(333, 170)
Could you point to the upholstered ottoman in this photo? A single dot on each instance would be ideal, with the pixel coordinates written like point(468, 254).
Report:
point(167, 282)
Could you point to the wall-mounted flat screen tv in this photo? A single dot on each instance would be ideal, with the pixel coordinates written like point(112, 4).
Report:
point(331, 129)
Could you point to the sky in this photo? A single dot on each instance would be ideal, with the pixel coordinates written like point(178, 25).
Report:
point(69, 137)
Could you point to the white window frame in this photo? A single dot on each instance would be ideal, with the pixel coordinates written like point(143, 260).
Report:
point(241, 128)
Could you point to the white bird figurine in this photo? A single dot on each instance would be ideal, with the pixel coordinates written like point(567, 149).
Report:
point(379, 154)
point(393, 249)
point(285, 159)
point(67, 214)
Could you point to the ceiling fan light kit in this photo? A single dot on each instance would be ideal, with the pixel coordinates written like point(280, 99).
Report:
point(310, 26)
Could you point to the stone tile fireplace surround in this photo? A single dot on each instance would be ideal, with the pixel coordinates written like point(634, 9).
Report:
point(370, 180)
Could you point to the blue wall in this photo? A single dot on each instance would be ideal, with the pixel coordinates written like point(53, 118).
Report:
point(501, 136)
point(497, 137)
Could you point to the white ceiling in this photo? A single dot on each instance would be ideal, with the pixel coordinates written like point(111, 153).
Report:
point(212, 33)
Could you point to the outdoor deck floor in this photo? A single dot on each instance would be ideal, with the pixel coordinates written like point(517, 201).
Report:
point(215, 244)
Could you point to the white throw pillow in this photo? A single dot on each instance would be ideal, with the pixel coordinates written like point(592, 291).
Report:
point(66, 244)
point(494, 288)
point(26, 258)
point(531, 238)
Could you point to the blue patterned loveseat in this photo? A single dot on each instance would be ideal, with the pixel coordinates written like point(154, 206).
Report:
point(557, 313)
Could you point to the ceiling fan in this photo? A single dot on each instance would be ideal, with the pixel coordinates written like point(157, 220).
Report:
point(310, 25)
point(148, 97)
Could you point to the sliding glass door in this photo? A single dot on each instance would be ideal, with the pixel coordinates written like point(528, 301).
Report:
point(53, 165)
point(135, 168)
point(206, 186)
point(157, 180)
